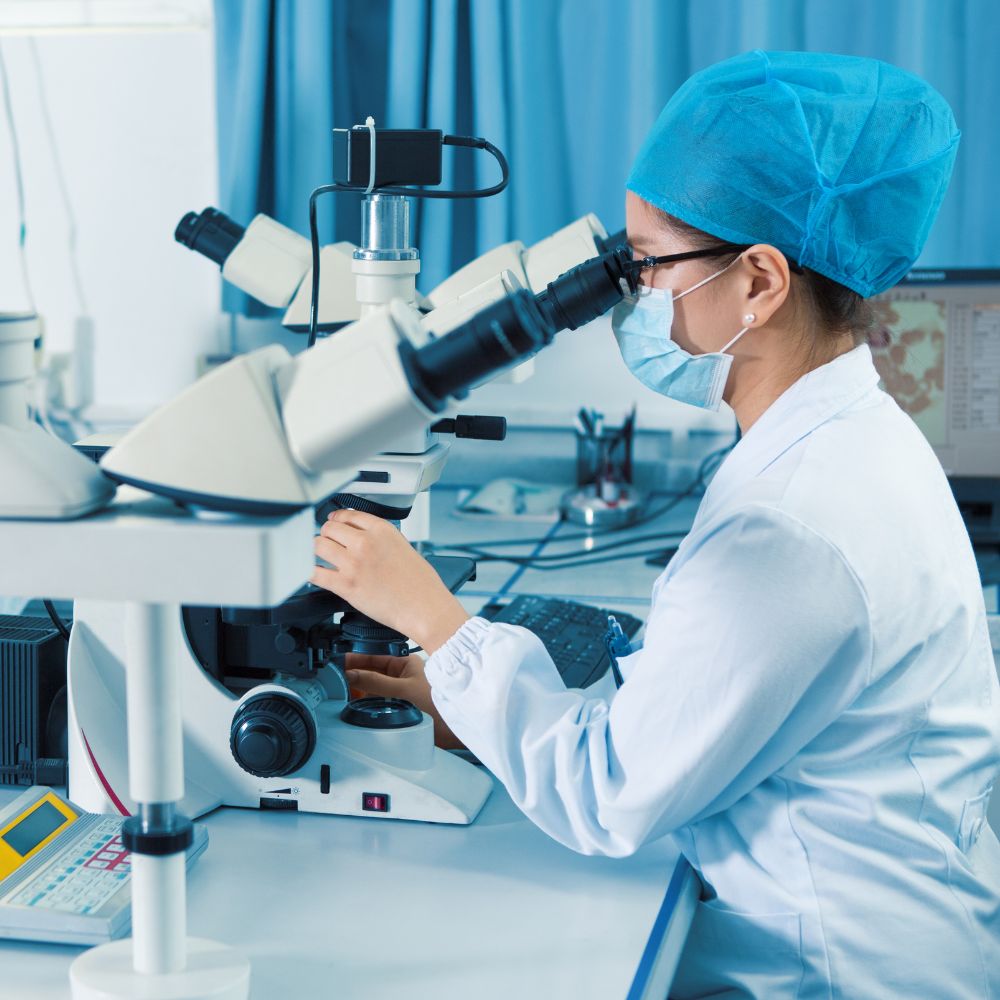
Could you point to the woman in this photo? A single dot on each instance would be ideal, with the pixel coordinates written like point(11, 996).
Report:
point(814, 717)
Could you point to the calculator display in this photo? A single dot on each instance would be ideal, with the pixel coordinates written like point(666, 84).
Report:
point(34, 828)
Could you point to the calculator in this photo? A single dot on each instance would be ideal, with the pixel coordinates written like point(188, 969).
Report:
point(65, 875)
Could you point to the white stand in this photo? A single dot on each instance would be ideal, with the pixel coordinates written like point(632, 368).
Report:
point(213, 972)
point(144, 551)
point(160, 961)
point(42, 476)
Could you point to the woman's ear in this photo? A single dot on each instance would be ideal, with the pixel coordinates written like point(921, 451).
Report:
point(770, 281)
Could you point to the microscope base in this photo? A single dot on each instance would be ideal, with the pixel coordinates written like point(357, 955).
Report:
point(214, 972)
point(46, 479)
point(349, 765)
point(380, 775)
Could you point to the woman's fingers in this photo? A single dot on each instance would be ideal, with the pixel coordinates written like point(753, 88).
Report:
point(328, 579)
point(377, 684)
point(356, 518)
point(390, 666)
point(332, 552)
point(340, 532)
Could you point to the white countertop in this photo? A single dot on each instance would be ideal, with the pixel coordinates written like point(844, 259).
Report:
point(363, 908)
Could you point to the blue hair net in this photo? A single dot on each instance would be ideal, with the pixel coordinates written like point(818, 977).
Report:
point(838, 161)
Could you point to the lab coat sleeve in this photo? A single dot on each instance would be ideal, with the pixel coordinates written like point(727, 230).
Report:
point(754, 645)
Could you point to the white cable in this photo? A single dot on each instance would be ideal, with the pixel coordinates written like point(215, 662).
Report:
point(42, 402)
point(18, 179)
point(64, 414)
point(71, 236)
point(370, 123)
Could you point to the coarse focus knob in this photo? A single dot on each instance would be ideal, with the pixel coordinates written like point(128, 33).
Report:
point(272, 735)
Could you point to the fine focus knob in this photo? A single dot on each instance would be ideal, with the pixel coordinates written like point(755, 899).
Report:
point(272, 735)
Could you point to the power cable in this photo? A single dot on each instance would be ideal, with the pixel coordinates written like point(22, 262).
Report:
point(56, 620)
point(50, 132)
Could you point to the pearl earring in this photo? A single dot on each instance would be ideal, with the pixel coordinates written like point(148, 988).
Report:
point(749, 318)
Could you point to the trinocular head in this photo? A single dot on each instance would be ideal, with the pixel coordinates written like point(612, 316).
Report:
point(840, 162)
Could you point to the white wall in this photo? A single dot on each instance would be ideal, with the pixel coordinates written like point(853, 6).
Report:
point(134, 117)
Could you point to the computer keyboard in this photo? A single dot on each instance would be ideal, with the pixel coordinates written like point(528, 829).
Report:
point(572, 633)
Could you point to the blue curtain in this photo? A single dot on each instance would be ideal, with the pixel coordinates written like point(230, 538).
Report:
point(566, 88)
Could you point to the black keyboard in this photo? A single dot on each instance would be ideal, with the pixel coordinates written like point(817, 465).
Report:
point(572, 633)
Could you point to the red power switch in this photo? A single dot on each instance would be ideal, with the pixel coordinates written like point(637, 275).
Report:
point(375, 802)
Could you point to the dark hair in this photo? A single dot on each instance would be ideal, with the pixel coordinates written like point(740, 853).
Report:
point(835, 308)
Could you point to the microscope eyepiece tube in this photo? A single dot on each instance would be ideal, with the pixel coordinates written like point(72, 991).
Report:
point(210, 232)
point(611, 242)
point(499, 336)
point(586, 291)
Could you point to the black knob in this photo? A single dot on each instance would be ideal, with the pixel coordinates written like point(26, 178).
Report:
point(272, 735)
point(359, 634)
point(351, 501)
point(382, 713)
point(288, 640)
point(476, 428)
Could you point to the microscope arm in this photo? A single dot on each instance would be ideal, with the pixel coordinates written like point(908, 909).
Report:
point(269, 434)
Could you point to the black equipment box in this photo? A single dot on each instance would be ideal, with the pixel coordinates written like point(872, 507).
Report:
point(402, 156)
point(32, 702)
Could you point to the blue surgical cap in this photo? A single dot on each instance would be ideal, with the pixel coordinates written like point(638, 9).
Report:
point(838, 161)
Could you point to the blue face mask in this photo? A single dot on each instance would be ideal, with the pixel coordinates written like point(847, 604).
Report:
point(642, 326)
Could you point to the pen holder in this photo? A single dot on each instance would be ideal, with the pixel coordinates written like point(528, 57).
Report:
point(604, 496)
point(604, 456)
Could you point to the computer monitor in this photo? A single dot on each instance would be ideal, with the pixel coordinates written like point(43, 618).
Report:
point(937, 348)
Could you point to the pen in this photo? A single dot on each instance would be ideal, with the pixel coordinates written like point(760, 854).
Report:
point(617, 644)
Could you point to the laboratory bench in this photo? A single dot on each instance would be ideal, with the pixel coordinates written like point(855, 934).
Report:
point(368, 908)
point(364, 909)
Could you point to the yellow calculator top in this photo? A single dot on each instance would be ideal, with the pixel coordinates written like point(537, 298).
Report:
point(32, 829)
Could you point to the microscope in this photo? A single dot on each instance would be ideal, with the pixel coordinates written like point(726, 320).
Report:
point(353, 421)
point(194, 528)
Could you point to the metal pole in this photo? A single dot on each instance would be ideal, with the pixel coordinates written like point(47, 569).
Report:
point(156, 780)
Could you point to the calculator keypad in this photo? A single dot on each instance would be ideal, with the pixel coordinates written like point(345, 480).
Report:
point(84, 876)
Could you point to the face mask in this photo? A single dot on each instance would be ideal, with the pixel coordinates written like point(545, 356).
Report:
point(642, 326)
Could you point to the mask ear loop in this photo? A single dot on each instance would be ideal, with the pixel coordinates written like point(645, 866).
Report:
point(722, 350)
point(705, 281)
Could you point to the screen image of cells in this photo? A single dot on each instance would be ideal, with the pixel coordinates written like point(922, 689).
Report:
point(908, 348)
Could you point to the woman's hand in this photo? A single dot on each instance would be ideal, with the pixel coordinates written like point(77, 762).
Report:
point(377, 571)
point(399, 677)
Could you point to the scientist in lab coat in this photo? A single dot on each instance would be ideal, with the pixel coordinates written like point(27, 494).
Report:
point(814, 717)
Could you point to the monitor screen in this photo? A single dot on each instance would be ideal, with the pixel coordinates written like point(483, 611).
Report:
point(937, 348)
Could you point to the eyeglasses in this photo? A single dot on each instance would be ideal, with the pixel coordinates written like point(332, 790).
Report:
point(635, 266)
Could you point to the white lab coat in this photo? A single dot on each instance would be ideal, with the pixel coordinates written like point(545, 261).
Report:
point(814, 716)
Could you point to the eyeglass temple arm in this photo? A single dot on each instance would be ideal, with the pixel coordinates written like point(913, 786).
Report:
point(646, 262)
